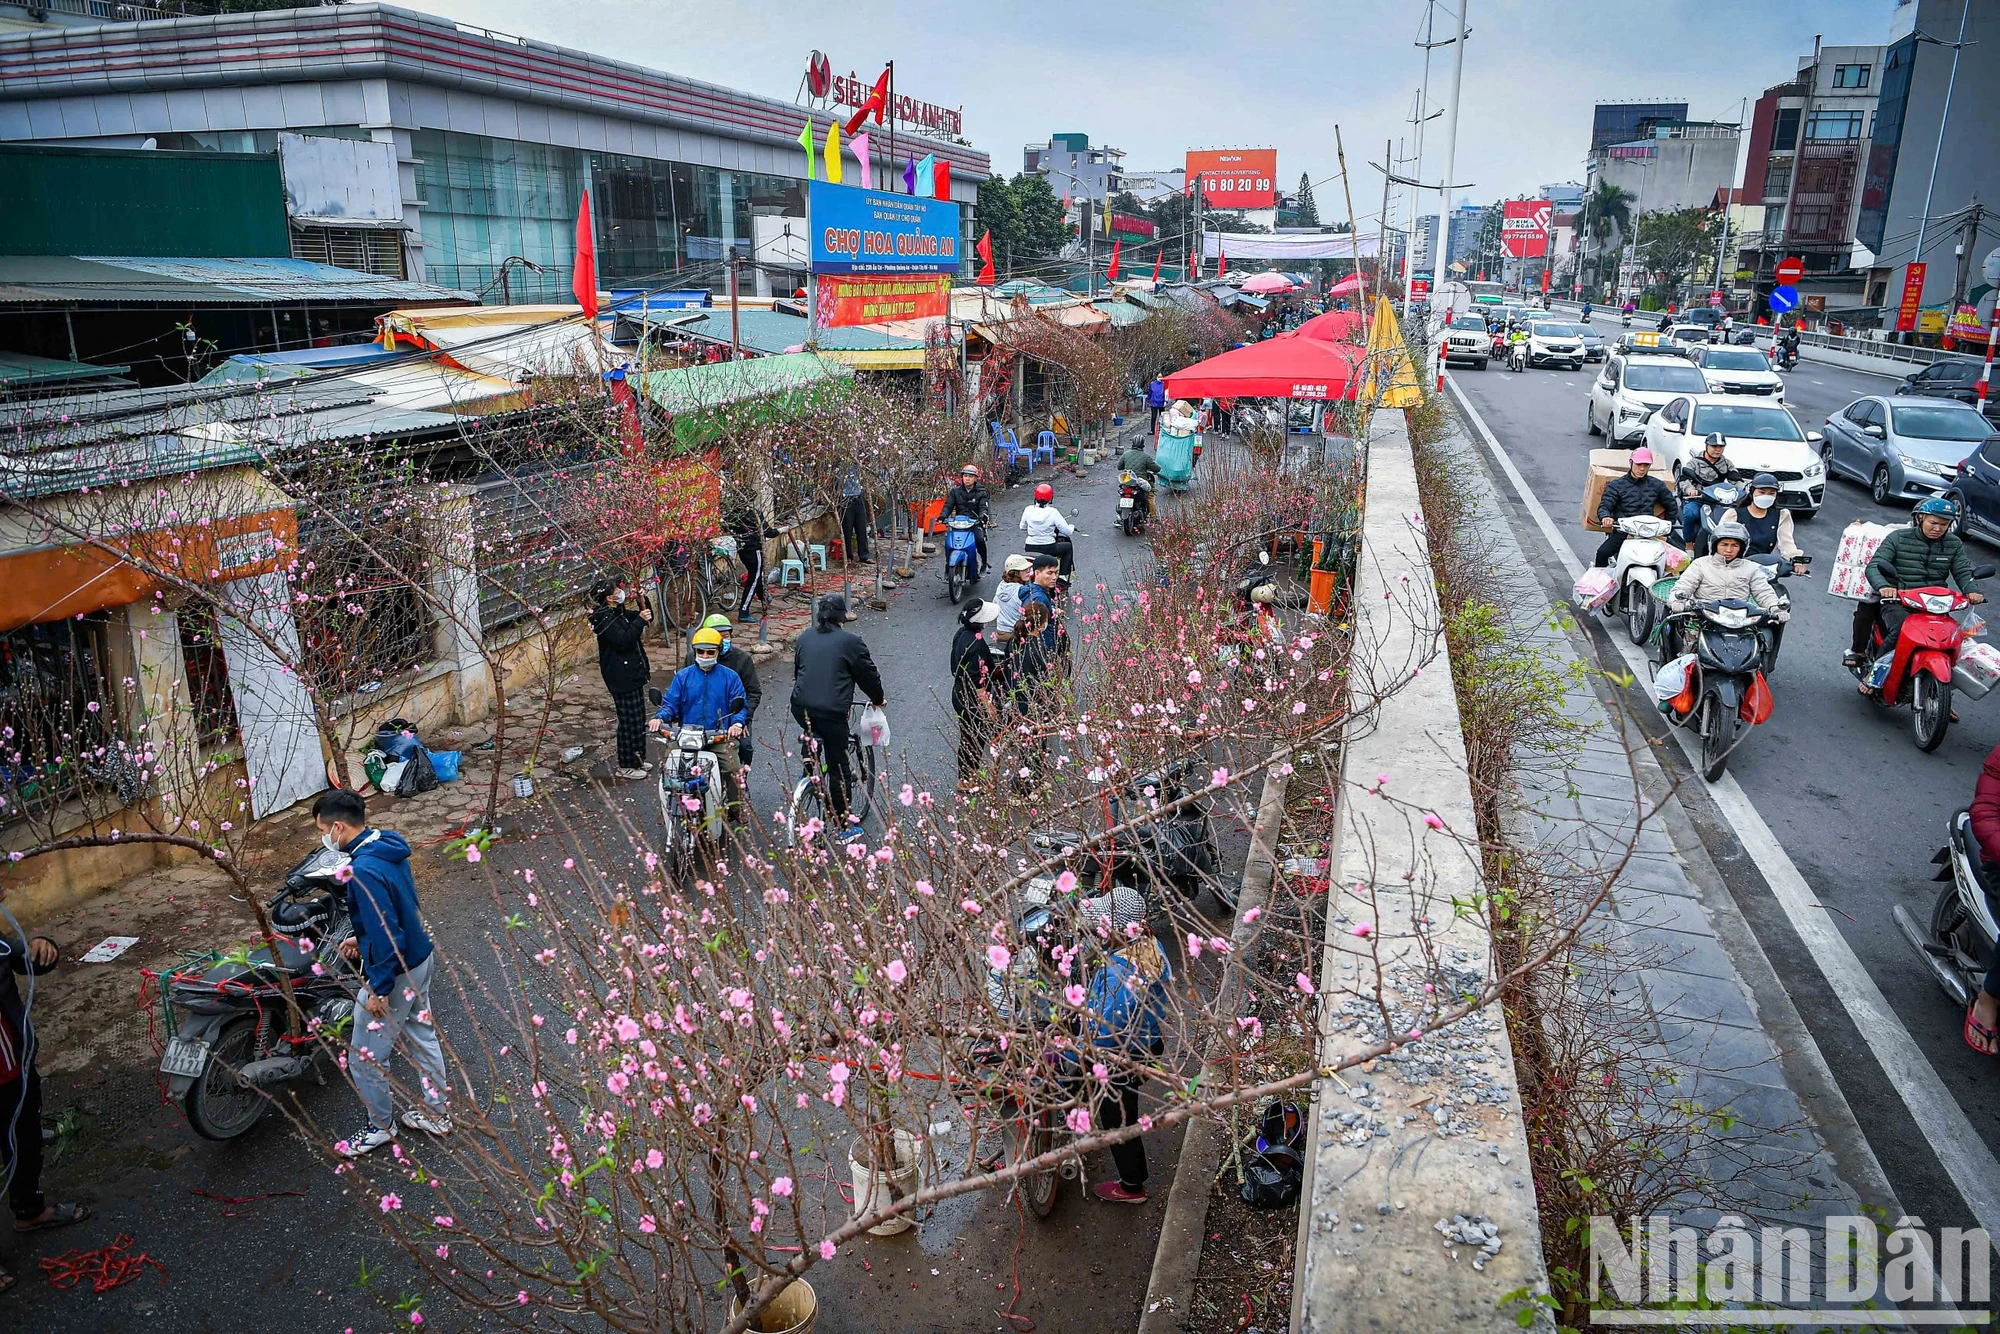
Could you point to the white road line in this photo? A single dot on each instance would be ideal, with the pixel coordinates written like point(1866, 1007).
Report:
point(1964, 1156)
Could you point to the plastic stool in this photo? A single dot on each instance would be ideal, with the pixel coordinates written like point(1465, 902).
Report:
point(817, 551)
point(792, 572)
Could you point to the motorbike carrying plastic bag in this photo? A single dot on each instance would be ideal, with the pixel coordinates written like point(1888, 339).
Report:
point(1594, 588)
point(874, 728)
point(1757, 704)
point(1673, 678)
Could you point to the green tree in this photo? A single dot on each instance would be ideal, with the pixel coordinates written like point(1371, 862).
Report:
point(1486, 244)
point(1129, 204)
point(1303, 204)
point(1044, 228)
point(999, 213)
point(1672, 246)
point(1607, 213)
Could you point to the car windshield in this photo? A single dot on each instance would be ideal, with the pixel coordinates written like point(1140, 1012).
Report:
point(1732, 360)
point(1750, 423)
point(1665, 380)
point(1546, 330)
point(1940, 423)
point(1468, 322)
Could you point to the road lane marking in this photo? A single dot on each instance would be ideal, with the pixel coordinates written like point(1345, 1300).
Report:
point(1964, 1156)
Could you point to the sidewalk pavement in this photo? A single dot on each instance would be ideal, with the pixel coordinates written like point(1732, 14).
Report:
point(1694, 985)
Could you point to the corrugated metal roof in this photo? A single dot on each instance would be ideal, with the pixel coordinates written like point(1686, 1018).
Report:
point(130, 414)
point(1124, 314)
point(698, 388)
point(113, 280)
point(20, 370)
point(769, 331)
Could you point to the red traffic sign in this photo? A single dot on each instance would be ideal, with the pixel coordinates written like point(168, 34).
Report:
point(1790, 270)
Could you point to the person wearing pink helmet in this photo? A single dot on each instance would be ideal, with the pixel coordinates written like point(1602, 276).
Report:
point(1048, 531)
point(1636, 492)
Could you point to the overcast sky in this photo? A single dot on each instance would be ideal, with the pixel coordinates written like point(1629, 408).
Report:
point(1161, 77)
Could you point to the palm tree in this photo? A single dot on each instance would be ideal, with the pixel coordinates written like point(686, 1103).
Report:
point(1607, 211)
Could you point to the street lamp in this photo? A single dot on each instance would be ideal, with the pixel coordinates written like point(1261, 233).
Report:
point(1957, 48)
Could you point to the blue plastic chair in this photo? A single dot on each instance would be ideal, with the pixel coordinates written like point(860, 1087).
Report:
point(1045, 449)
point(1007, 448)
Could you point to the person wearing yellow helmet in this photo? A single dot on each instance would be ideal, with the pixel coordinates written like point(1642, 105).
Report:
point(707, 695)
point(737, 660)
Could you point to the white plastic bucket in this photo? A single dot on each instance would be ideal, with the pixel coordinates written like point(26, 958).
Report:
point(878, 1190)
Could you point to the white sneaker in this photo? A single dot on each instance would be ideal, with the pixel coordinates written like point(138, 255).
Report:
point(430, 1120)
point(371, 1138)
point(630, 773)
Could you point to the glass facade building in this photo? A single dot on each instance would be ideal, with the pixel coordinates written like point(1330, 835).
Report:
point(1622, 122)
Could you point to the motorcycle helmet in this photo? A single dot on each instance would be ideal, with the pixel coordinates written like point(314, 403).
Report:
point(1937, 505)
point(1044, 493)
point(709, 639)
point(1763, 481)
point(1731, 532)
point(1715, 440)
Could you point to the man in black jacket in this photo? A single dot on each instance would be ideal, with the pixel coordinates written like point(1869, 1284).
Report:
point(620, 626)
point(828, 662)
point(21, 1094)
point(969, 498)
point(1636, 493)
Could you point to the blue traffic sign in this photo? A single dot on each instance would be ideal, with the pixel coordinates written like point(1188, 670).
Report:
point(1783, 299)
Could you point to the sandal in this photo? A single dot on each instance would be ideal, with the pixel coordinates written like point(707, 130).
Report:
point(1989, 1036)
point(1850, 659)
point(60, 1215)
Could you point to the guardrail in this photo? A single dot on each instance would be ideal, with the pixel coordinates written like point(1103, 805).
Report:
point(106, 10)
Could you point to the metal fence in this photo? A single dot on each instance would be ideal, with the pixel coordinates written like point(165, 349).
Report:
point(104, 10)
point(527, 550)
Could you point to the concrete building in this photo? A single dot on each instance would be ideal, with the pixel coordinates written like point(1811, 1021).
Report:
point(1622, 122)
point(1911, 132)
point(1074, 168)
point(1567, 196)
point(1680, 165)
point(1152, 186)
point(1423, 244)
point(490, 141)
point(1466, 221)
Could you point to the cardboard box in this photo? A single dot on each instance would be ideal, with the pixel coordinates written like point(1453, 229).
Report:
point(1605, 464)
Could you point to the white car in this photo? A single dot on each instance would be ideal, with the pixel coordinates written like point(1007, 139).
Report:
point(1466, 339)
point(1739, 370)
point(1759, 436)
point(1551, 343)
point(1633, 386)
point(1691, 336)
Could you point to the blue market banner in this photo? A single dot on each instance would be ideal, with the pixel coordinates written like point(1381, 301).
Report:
point(872, 231)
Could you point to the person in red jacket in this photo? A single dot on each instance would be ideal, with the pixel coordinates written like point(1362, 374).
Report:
point(1982, 1021)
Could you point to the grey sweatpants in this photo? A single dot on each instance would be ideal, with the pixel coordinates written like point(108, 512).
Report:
point(372, 1039)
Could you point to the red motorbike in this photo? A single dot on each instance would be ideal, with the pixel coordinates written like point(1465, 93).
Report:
point(1919, 673)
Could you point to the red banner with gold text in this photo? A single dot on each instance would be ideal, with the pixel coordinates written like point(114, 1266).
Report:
point(843, 301)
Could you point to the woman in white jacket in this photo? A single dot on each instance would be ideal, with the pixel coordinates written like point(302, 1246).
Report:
point(1047, 530)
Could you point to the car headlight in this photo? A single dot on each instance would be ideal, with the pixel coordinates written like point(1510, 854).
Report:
point(1813, 470)
point(1925, 465)
point(1628, 410)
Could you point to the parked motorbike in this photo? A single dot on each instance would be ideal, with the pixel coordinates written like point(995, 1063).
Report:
point(1176, 849)
point(961, 555)
point(1134, 502)
point(1724, 691)
point(230, 1034)
point(1960, 939)
point(1641, 563)
point(1919, 672)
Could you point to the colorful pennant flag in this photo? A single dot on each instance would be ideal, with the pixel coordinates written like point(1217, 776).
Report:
point(832, 157)
point(910, 176)
point(583, 278)
point(941, 181)
point(985, 250)
point(1111, 275)
point(807, 141)
point(1157, 254)
point(864, 154)
point(926, 175)
point(1223, 256)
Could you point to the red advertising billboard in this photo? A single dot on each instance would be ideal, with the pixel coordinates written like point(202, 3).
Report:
point(1235, 177)
point(871, 299)
point(1524, 228)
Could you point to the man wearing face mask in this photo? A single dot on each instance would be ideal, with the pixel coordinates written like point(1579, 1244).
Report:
point(620, 627)
point(737, 660)
point(707, 695)
point(1770, 528)
point(396, 958)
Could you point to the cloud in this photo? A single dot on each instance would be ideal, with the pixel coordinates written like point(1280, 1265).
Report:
point(1156, 79)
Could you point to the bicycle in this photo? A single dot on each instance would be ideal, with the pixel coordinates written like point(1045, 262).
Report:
point(690, 583)
point(809, 800)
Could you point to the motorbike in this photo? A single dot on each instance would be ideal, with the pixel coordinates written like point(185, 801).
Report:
point(1517, 355)
point(1715, 498)
point(230, 1034)
point(1785, 358)
point(1919, 671)
point(1176, 850)
point(1628, 319)
point(1134, 502)
point(961, 555)
point(1641, 563)
point(693, 801)
point(1776, 567)
point(1723, 690)
point(1960, 939)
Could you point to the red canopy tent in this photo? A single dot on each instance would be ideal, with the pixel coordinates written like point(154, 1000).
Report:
point(1351, 283)
point(1278, 368)
point(1335, 326)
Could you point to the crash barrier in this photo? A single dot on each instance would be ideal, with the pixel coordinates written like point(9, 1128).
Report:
point(1410, 1163)
point(1855, 352)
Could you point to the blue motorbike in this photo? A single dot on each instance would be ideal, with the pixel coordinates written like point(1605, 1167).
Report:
point(961, 555)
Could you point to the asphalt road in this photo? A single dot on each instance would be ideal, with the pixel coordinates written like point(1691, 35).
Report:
point(1857, 808)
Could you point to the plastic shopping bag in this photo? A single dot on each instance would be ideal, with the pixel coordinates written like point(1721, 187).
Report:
point(1594, 588)
point(874, 727)
point(1850, 562)
point(1672, 679)
point(1676, 560)
point(1977, 670)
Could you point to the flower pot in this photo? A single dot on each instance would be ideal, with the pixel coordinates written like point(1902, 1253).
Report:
point(793, 1311)
point(872, 1190)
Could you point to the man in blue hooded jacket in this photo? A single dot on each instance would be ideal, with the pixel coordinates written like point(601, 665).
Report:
point(707, 695)
point(396, 959)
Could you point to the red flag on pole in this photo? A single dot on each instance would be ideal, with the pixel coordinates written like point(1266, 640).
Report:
point(985, 249)
point(1222, 258)
point(1156, 264)
point(941, 180)
point(1111, 274)
point(877, 99)
point(583, 278)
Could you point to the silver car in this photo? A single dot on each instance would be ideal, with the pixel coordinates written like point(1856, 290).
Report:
point(1903, 448)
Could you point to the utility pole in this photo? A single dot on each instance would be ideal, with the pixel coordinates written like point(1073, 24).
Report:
point(735, 329)
point(1443, 266)
point(1968, 237)
point(1353, 232)
point(1923, 222)
point(1423, 118)
point(1382, 227)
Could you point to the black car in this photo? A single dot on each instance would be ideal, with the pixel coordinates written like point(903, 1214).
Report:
point(1953, 377)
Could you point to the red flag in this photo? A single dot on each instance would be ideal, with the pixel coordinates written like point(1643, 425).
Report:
point(941, 180)
point(985, 249)
point(1223, 256)
point(1156, 264)
point(1111, 274)
point(877, 99)
point(583, 278)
